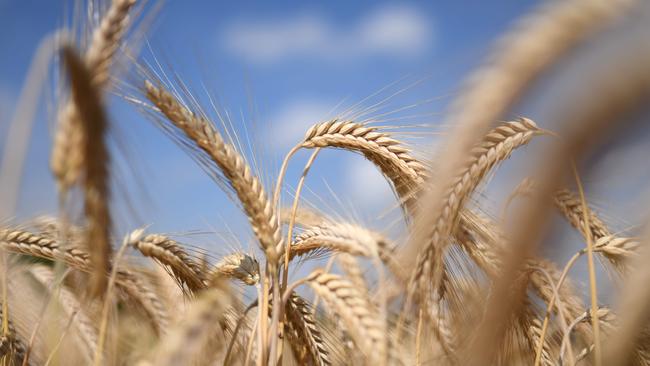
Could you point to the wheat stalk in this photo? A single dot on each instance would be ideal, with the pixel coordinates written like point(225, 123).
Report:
point(185, 343)
point(232, 165)
point(496, 147)
point(387, 153)
point(95, 168)
point(67, 157)
point(355, 310)
point(303, 329)
point(239, 266)
point(72, 307)
point(169, 253)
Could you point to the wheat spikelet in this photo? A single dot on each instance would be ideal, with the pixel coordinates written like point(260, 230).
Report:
point(67, 157)
point(95, 168)
point(238, 174)
point(304, 330)
point(355, 310)
point(239, 266)
point(617, 249)
point(169, 253)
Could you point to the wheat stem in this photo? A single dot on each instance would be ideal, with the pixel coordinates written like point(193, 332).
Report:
point(593, 290)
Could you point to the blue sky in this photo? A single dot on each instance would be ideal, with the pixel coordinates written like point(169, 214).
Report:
point(283, 66)
point(276, 68)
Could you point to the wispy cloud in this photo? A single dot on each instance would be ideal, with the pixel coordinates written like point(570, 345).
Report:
point(390, 30)
point(367, 185)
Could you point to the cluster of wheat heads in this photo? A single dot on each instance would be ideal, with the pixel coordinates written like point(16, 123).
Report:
point(460, 287)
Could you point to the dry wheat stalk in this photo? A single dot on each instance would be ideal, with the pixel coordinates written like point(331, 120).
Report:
point(239, 266)
point(303, 330)
point(15, 347)
point(146, 298)
point(356, 311)
point(67, 157)
point(484, 242)
point(344, 237)
point(232, 165)
point(496, 147)
point(22, 242)
point(393, 159)
point(95, 169)
point(169, 253)
point(350, 266)
point(72, 307)
point(189, 340)
point(616, 249)
point(571, 207)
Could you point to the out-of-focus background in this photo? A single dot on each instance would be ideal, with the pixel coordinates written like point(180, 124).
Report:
point(275, 68)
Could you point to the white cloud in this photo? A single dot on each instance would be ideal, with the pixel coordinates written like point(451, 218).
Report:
point(290, 124)
point(396, 31)
point(366, 184)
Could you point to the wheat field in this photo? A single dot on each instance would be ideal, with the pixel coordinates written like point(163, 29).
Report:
point(460, 285)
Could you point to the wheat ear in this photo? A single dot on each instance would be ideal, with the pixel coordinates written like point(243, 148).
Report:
point(185, 343)
point(616, 249)
point(12, 345)
point(71, 305)
point(355, 310)
point(232, 165)
point(496, 147)
point(23, 242)
point(239, 266)
point(96, 172)
point(67, 158)
point(304, 330)
point(387, 153)
point(169, 253)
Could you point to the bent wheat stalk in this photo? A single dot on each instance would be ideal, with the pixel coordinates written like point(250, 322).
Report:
point(95, 169)
point(496, 147)
point(169, 253)
point(303, 330)
point(67, 157)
